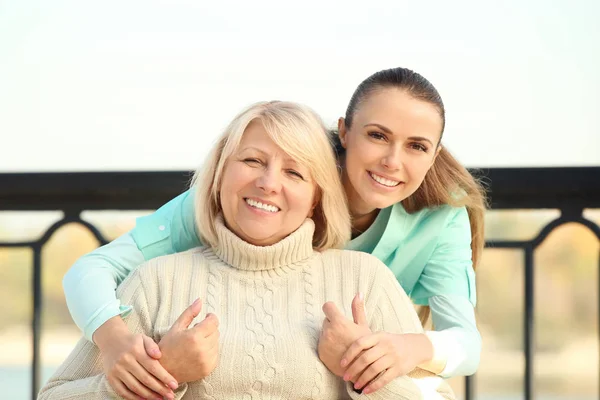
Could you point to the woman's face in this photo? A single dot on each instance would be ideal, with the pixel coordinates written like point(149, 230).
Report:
point(265, 195)
point(389, 148)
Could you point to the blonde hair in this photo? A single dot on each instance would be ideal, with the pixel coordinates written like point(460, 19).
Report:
point(300, 133)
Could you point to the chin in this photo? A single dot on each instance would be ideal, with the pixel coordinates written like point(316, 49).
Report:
point(380, 201)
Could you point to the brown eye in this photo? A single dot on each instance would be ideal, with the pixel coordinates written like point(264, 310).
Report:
point(419, 146)
point(377, 135)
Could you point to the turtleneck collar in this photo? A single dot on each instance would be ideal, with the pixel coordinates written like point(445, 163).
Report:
point(242, 255)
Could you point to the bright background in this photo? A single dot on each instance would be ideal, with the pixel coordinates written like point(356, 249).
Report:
point(146, 85)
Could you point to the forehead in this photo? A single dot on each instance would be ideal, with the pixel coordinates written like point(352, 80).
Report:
point(400, 112)
point(256, 139)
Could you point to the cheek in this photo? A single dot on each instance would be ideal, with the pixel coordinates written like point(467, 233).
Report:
point(302, 198)
point(418, 168)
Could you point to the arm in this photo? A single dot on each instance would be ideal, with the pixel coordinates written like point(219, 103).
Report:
point(81, 376)
point(456, 340)
point(447, 285)
point(91, 282)
point(391, 312)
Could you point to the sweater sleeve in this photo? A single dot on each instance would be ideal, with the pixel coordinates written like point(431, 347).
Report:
point(389, 309)
point(81, 375)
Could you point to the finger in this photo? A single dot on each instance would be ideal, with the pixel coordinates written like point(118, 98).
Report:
point(213, 339)
point(151, 347)
point(134, 385)
point(358, 310)
point(362, 362)
point(149, 382)
point(357, 347)
point(208, 325)
point(385, 378)
point(188, 315)
point(373, 371)
point(123, 390)
point(331, 311)
point(157, 371)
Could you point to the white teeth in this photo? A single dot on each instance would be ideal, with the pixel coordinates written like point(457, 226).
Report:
point(384, 181)
point(258, 204)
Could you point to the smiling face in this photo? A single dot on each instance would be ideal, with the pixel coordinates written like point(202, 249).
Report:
point(392, 143)
point(265, 195)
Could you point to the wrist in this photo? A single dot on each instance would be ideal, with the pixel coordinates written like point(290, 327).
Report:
point(114, 327)
point(424, 347)
point(438, 357)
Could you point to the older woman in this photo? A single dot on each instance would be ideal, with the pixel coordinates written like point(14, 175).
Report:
point(271, 211)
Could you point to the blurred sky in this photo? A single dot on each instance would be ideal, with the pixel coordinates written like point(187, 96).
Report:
point(147, 85)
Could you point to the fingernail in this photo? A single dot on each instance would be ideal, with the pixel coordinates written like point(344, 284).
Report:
point(344, 362)
point(170, 396)
point(367, 391)
point(196, 302)
point(346, 377)
point(361, 296)
point(173, 385)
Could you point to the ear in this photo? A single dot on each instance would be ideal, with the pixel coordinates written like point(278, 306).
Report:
point(342, 131)
point(314, 204)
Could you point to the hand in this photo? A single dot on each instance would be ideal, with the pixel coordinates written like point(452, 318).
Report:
point(191, 354)
point(127, 364)
point(376, 359)
point(339, 333)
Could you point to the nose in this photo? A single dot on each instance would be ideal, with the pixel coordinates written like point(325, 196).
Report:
point(270, 181)
point(393, 159)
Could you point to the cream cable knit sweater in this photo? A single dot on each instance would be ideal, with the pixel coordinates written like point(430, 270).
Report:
point(268, 301)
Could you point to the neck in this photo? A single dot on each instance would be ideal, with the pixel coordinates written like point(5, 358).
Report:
point(362, 215)
point(295, 248)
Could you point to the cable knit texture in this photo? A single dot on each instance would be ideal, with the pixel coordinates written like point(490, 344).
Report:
point(268, 301)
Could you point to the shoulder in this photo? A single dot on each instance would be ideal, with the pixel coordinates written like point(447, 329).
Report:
point(430, 216)
point(177, 262)
point(362, 265)
point(429, 224)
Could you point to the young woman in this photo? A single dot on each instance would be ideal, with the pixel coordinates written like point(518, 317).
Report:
point(271, 210)
point(412, 204)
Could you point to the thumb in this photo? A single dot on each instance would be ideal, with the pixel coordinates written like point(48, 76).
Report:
point(151, 347)
point(188, 315)
point(358, 310)
point(331, 311)
point(208, 325)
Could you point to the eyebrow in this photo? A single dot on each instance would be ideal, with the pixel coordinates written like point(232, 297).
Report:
point(389, 132)
point(252, 148)
point(286, 159)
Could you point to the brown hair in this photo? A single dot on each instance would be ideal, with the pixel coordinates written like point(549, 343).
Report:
point(447, 181)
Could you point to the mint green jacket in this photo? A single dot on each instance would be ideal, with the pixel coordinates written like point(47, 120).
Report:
point(428, 251)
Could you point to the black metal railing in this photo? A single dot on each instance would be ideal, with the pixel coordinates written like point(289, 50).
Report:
point(570, 190)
